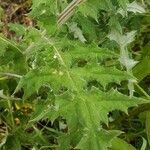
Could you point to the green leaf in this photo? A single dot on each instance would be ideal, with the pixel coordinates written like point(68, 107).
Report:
point(88, 9)
point(3, 47)
point(90, 52)
point(64, 142)
point(144, 145)
point(1, 12)
point(103, 75)
point(123, 3)
point(117, 143)
point(11, 57)
point(12, 143)
point(5, 43)
point(122, 40)
point(42, 6)
point(76, 31)
point(66, 64)
point(89, 29)
point(142, 69)
point(34, 79)
point(94, 106)
point(19, 29)
point(135, 7)
point(148, 126)
point(115, 24)
point(91, 8)
point(44, 11)
point(99, 141)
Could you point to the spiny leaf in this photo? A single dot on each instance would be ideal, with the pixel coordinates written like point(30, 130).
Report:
point(88, 27)
point(122, 40)
point(77, 50)
point(93, 108)
point(96, 101)
point(66, 66)
point(45, 13)
point(131, 7)
point(123, 3)
point(99, 141)
point(47, 74)
point(94, 6)
point(34, 79)
point(101, 74)
point(42, 6)
point(77, 32)
point(135, 7)
point(4, 41)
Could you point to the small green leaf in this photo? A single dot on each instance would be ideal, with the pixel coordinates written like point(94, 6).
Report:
point(19, 29)
point(118, 143)
point(123, 3)
point(76, 31)
point(142, 69)
point(135, 7)
point(144, 145)
point(122, 40)
point(99, 141)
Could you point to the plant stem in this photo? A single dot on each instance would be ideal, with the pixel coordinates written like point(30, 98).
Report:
point(11, 113)
point(141, 89)
point(143, 2)
point(10, 75)
point(67, 12)
point(4, 78)
point(10, 43)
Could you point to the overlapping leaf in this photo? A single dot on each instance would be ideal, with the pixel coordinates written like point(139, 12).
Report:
point(66, 67)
